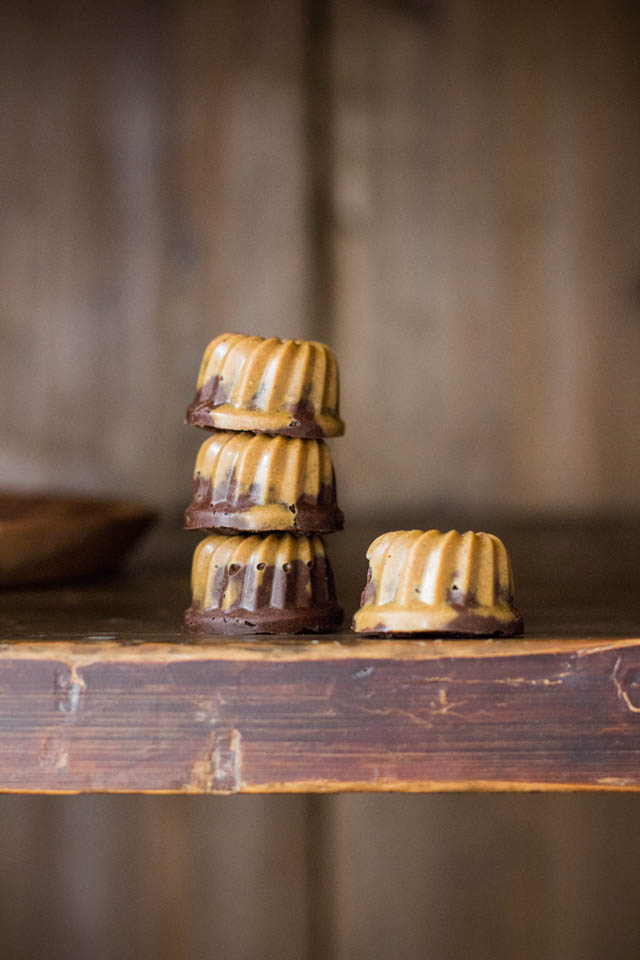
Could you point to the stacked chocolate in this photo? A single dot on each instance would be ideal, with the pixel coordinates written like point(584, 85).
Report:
point(264, 482)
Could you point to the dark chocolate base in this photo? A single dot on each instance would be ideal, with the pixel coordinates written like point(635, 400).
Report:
point(205, 418)
point(201, 412)
point(308, 514)
point(320, 619)
point(317, 518)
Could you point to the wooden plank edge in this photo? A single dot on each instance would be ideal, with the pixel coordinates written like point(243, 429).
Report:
point(82, 654)
point(606, 785)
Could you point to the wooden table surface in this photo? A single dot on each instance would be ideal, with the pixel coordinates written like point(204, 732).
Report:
point(101, 689)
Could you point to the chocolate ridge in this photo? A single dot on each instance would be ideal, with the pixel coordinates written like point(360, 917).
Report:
point(299, 596)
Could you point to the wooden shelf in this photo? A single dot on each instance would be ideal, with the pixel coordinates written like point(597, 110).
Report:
point(102, 690)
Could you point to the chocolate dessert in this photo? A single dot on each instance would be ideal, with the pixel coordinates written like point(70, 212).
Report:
point(262, 584)
point(250, 482)
point(287, 387)
point(438, 584)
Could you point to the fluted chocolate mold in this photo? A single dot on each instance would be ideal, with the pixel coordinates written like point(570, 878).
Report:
point(438, 583)
point(251, 482)
point(287, 387)
point(262, 584)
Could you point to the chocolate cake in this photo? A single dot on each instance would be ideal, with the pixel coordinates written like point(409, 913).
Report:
point(440, 584)
point(250, 482)
point(287, 387)
point(262, 584)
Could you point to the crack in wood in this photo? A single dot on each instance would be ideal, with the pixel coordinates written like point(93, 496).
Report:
point(631, 677)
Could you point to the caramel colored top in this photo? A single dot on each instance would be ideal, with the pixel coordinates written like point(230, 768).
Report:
point(431, 581)
point(287, 387)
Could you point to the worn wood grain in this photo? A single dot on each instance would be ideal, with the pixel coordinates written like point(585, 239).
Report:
point(158, 721)
point(102, 689)
point(365, 874)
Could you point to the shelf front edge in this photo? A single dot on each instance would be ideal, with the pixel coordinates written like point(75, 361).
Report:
point(189, 719)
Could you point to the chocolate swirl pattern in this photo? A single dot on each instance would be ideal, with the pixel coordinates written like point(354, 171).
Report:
point(438, 583)
point(262, 584)
point(287, 387)
point(253, 482)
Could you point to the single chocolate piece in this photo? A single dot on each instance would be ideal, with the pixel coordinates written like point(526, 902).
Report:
point(250, 482)
point(262, 584)
point(287, 387)
point(440, 584)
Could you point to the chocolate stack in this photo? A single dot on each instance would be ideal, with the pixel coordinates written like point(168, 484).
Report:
point(264, 486)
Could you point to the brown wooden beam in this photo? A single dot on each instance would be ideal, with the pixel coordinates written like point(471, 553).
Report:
point(295, 716)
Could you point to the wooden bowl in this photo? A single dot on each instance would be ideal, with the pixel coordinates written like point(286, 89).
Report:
point(46, 539)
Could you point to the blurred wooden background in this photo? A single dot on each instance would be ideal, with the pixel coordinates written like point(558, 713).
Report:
point(444, 190)
point(488, 877)
point(448, 192)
